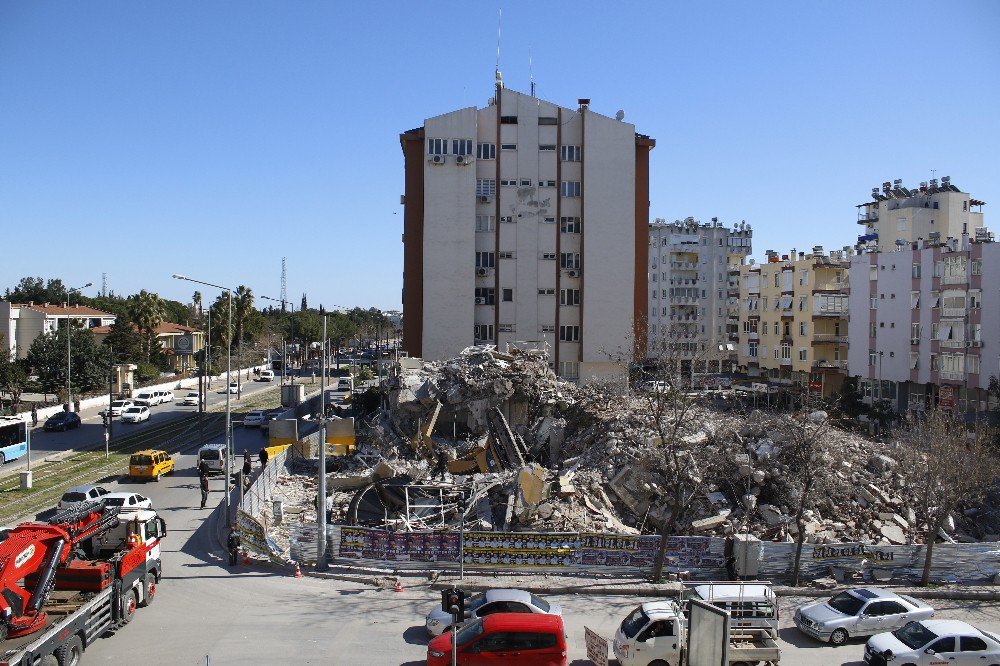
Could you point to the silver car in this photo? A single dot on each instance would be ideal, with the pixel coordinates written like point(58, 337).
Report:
point(863, 611)
point(489, 602)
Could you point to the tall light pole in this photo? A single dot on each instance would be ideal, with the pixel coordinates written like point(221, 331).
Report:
point(69, 357)
point(321, 498)
point(229, 371)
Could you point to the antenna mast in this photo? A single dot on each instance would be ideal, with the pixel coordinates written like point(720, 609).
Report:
point(104, 284)
point(499, 77)
point(284, 284)
point(531, 73)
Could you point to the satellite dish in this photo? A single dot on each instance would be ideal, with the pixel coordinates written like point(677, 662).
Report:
point(620, 115)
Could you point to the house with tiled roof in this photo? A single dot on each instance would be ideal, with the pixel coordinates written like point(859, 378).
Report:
point(21, 323)
point(179, 342)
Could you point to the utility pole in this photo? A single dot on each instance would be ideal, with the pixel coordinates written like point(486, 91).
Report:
point(108, 416)
point(321, 498)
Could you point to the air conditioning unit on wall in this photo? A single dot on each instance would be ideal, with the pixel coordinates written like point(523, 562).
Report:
point(463, 159)
point(436, 159)
point(482, 272)
point(480, 301)
point(573, 273)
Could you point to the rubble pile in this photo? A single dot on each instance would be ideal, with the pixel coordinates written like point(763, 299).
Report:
point(497, 441)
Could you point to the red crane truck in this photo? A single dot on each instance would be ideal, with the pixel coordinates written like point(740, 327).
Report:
point(66, 582)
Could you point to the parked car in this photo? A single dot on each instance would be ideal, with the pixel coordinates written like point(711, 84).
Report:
point(255, 419)
point(63, 421)
point(128, 500)
point(150, 464)
point(863, 611)
point(489, 602)
point(117, 407)
point(135, 414)
point(537, 640)
point(934, 642)
point(79, 494)
point(190, 398)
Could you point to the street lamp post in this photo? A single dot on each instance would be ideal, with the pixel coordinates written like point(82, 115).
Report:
point(321, 498)
point(69, 357)
point(229, 370)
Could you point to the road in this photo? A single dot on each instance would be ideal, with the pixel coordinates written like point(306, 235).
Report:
point(264, 616)
point(91, 432)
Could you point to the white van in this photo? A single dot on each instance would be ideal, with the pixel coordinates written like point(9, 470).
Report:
point(267, 375)
point(751, 604)
point(148, 398)
point(214, 456)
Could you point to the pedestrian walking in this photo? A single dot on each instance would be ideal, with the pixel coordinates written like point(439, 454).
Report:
point(34, 416)
point(203, 482)
point(263, 457)
point(203, 468)
point(234, 548)
point(76, 405)
point(247, 463)
point(442, 466)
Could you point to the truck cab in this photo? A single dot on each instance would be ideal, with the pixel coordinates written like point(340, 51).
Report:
point(653, 632)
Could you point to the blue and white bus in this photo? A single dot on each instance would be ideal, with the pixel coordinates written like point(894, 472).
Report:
point(13, 438)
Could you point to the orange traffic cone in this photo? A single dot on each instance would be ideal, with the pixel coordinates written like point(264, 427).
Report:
point(399, 587)
point(298, 571)
point(246, 559)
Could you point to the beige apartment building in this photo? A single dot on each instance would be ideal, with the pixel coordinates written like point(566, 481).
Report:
point(793, 320)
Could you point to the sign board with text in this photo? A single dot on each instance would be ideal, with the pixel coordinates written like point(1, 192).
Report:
point(597, 647)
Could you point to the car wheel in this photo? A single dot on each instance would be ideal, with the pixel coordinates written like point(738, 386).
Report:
point(148, 590)
point(838, 637)
point(3, 459)
point(71, 652)
point(128, 607)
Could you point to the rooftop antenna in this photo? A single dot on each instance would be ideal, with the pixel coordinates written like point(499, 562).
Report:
point(284, 284)
point(934, 173)
point(531, 73)
point(498, 75)
point(104, 284)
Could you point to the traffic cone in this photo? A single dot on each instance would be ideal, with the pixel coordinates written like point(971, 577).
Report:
point(298, 571)
point(246, 559)
point(399, 587)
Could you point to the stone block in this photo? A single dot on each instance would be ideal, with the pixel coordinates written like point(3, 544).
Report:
point(710, 523)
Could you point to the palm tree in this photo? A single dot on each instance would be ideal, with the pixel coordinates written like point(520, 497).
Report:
point(196, 299)
point(148, 312)
point(244, 304)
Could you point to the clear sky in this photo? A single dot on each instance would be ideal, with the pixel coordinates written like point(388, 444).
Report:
point(142, 139)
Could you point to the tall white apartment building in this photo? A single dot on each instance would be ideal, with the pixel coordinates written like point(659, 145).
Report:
point(690, 288)
point(525, 221)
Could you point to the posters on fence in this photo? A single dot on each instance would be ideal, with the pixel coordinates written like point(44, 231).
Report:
point(520, 549)
point(371, 544)
point(837, 551)
point(254, 537)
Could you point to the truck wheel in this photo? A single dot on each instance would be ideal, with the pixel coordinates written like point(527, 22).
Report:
point(148, 590)
point(658, 662)
point(49, 660)
point(128, 607)
point(70, 653)
point(838, 637)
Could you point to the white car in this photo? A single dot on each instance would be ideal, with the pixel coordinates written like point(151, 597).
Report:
point(190, 398)
point(234, 387)
point(128, 500)
point(166, 396)
point(863, 611)
point(254, 419)
point(148, 398)
point(135, 414)
point(491, 601)
point(79, 494)
point(117, 407)
point(267, 375)
point(951, 642)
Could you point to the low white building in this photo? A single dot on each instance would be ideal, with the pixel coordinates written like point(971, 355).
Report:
point(21, 323)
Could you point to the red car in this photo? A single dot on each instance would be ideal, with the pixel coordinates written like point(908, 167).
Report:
point(526, 639)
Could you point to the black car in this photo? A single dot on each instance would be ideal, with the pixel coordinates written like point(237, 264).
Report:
point(63, 421)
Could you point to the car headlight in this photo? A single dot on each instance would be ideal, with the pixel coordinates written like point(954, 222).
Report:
point(435, 653)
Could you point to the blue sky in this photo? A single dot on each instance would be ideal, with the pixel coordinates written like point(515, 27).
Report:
point(213, 138)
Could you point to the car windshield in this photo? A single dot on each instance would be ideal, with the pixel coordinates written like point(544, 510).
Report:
point(210, 454)
point(74, 497)
point(133, 410)
point(115, 501)
point(846, 603)
point(118, 403)
point(475, 602)
point(192, 395)
point(540, 603)
point(634, 622)
point(141, 460)
point(469, 632)
point(914, 635)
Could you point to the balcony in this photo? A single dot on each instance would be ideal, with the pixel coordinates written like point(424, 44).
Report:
point(786, 361)
point(952, 344)
point(866, 218)
point(958, 313)
point(684, 300)
point(683, 266)
point(830, 312)
point(829, 338)
point(954, 279)
point(832, 285)
point(831, 365)
point(952, 375)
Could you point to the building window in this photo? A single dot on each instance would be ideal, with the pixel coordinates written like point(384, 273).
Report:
point(972, 364)
point(547, 120)
point(975, 298)
point(483, 332)
point(525, 182)
point(569, 369)
point(872, 358)
point(546, 183)
point(569, 225)
point(977, 266)
point(508, 182)
point(915, 332)
point(802, 328)
point(437, 146)
point(506, 219)
point(569, 297)
point(803, 277)
point(569, 333)
point(935, 299)
point(914, 360)
point(914, 300)
point(486, 187)
point(508, 146)
point(546, 292)
point(506, 328)
point(803, 354)
point(508, 295)
point(547, 148)
point(549, 220)
point(461, 146)
point(486, 151)
point(873, 303)
point(548, 255)
point(916, 270)
point(570, 188)
point(484, 223)
point(508, 120)
point(485, 296)
point(873, 272)
point(547, 328)
point(571, 153)
point(507, 254)
point(753, 348)
point(569, 260)
point(485, 260)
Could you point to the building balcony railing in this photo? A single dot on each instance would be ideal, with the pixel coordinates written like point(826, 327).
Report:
point(954, 279)
point(753, 335)
point(829, 338)
point(683, 266)
point(683, 318)
point(829, 286)
point(830, 312)
point(786, 361)
point(684, 300)
point(683, 282)
point(952, 344)
point(836, 365)
point(952, 375)
point(952, 312)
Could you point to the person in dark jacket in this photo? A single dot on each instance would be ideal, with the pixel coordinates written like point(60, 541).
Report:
point(203, 482)
point(247, 463)
point(234, 548)
point(263, 457)
point(34, 416)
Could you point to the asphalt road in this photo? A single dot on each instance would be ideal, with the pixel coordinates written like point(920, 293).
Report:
point(91, 432)
point(263, 616)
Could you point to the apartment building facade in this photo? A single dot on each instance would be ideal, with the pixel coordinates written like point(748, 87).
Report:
point(690, 289)
point(526, 222)
point(21, 323)
point(793, 314)
point(925, 324)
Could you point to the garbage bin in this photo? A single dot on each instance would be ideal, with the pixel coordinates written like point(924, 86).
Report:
point(26, 478)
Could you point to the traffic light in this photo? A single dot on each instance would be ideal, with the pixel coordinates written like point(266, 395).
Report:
point(453, 601)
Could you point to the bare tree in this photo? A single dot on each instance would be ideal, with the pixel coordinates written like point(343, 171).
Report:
point(945, 464)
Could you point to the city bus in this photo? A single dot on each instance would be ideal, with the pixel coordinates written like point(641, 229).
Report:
point(13, 438)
